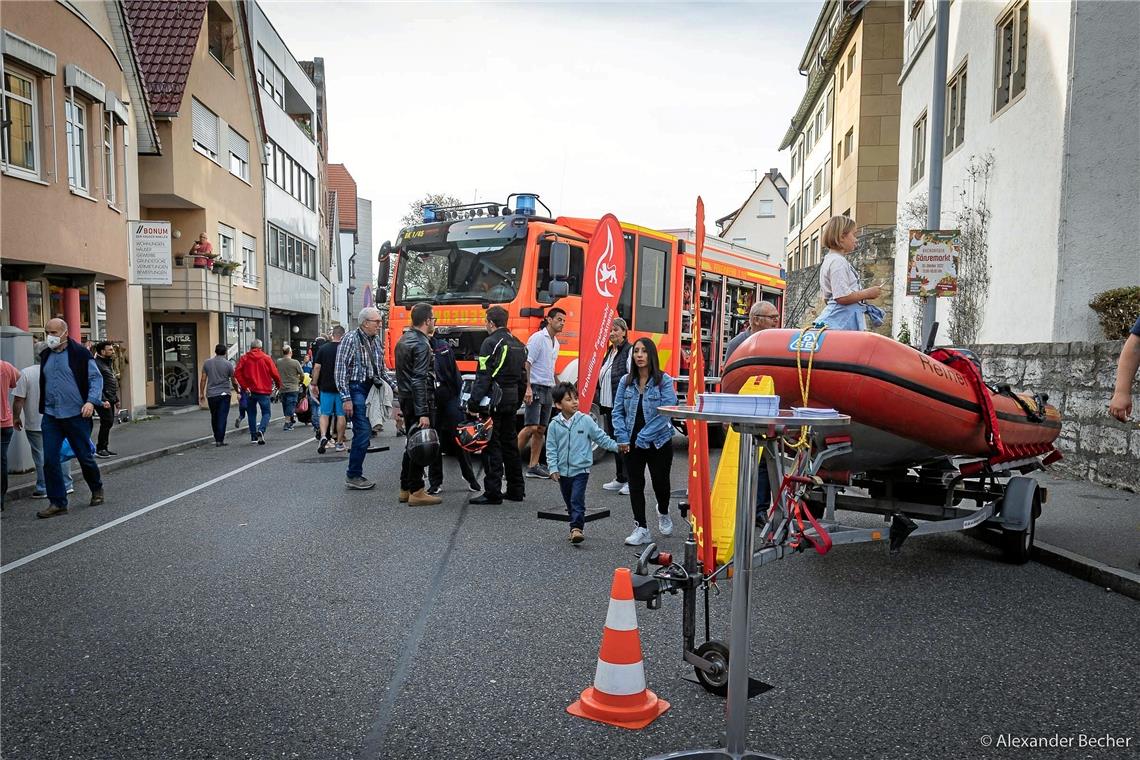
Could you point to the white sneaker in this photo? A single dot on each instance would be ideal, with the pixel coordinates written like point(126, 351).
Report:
point(624, 489)
point(665, 523)
point(613, 485)
point(639, 537)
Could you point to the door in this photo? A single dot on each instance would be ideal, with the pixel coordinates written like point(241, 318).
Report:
point(176, 364)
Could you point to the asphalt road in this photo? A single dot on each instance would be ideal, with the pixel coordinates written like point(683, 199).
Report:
point(273, 614)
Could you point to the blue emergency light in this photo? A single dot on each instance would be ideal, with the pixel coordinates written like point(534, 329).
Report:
point(525, 204)
point(429, 213)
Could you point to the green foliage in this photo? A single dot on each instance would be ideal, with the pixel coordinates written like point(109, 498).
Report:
point(904, 331)
point(1117, 310)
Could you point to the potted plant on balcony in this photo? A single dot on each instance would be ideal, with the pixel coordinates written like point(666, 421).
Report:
point(225, 268)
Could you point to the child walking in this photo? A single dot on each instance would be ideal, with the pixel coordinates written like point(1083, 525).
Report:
point(569, 455)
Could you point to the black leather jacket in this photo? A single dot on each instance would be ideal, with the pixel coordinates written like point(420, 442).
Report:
point(415, 372)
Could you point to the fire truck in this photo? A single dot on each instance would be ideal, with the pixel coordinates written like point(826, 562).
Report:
point(464, 259)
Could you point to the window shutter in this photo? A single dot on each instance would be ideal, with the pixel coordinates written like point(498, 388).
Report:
point(239, 146)
point(205, 127)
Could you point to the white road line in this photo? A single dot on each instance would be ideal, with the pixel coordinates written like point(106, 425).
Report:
point(88, 534)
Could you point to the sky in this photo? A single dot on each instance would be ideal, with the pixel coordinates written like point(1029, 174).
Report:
point(630, 108)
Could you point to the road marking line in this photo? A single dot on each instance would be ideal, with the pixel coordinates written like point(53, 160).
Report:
point(88, 534)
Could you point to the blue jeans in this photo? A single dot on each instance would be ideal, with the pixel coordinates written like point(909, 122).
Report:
point(77, 431)
point(36, 443)
point(361, 429)
point(5, 439)
point(219, 416)
point(289, 404)
point(257, 400)
point(574, 494)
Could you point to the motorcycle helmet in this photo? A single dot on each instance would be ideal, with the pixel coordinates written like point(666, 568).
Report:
point(423, 446)
point(474, 435)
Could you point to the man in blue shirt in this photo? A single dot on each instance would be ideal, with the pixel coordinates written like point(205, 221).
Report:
point(71, 386)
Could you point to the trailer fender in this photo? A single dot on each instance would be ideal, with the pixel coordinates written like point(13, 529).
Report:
point(1020, 504)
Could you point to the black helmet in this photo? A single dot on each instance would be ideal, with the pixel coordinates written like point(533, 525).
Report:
point(474, 435)
point(423, 446)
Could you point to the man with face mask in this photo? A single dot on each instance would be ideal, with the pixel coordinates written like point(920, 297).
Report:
point(71, 387)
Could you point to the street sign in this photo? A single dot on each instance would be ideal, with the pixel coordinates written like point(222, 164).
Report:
point(932, 263)
point(151, 263)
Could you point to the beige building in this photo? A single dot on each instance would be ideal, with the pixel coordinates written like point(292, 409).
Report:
point(207, 178)
point(70, 101)
point(844, 135)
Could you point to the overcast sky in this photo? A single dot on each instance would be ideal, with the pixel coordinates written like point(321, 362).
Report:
point(627, 108)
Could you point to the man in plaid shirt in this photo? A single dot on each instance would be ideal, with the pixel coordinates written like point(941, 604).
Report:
point(359, 366)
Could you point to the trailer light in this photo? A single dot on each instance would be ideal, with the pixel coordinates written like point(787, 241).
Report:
point(525, 205)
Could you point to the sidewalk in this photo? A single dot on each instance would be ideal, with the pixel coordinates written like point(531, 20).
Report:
point(142, 441)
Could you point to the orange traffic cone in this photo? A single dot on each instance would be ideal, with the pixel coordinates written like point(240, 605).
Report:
point(618, 696)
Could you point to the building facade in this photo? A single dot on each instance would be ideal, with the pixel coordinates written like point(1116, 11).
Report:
point(288, 101)
point(71, 109)
point(364, 264)
point(844, 134)
point(343, 187)
point(761, 223)
point(1042, 102)
point(198, 66)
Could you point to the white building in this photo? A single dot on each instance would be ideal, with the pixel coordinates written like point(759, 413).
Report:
point(288, 102)
point(363, 267)
point(761, 223)
point(809, 185)
point(1050, 90)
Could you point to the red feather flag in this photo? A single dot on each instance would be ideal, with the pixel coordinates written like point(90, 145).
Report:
point(604, 274)
point(699, 482)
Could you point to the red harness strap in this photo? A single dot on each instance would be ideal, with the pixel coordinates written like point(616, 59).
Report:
point(973, 376)
point(821, 541)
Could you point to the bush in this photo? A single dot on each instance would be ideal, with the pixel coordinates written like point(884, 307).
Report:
point(1117, 310)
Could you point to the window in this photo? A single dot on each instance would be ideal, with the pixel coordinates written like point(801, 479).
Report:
point(839, 151)
point(205, 129)
point(956, 110)
point(35, 304)
point(248, 260)
point(795, 160)
point(848, 142)
point(807, 197)
point(827, 169)
point(282, 252)
point(109, 156)
point(809, 140)
point(829, 107)
point(270, 78)
point(1012, 49)
point(19, 114)
point(815, 249)
point(239, 155)
point(225, 242)
point(918, 150)
point(792, 214)
point(842, 76)
point(221, 35)
point(271, 245)
point(75, 112)
point(820, 117)
point(652, 285)
point(818, 186)
point(850, 62)
point(765, 209)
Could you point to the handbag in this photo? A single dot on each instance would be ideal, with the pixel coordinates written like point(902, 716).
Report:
point(243, 401)
point(66, 452)
point(303, 404)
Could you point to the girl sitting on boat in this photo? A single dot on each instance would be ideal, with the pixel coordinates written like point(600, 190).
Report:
point(838, 282)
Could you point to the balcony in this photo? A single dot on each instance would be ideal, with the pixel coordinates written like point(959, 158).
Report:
point(918, 30)
point(192, 289)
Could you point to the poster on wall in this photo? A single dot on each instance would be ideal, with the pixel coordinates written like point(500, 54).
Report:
point(151, 263)
point(932, 263)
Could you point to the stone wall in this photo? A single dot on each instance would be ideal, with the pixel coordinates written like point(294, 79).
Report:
point(1079, 378)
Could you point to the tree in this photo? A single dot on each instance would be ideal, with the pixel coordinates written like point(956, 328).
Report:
point(415, 214)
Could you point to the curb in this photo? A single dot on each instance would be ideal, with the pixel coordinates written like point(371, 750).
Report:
point(1086, 569)
point(25, 491)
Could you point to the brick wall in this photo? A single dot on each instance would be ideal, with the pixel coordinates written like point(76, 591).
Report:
point(1079, 379)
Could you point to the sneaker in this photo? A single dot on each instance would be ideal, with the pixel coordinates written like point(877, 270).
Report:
point(624, 489)
point(576, 536)
point(473, 486)
point(484, 499)
point(665, 524)
point(639, 537)
point(96, 498)
point(421, 498)
point(260, 439)
point(51, 511)
point(435, 489)
point(71, 490)
point(613, 485)
point(237, 423)
point(39, 494)
point(340, 447)
point(538, 471)
point(104, 454)
point(286, 428)
point(324, 444)
point(359, 483)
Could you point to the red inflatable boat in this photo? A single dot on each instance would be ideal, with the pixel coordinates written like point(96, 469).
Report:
point(906, 407)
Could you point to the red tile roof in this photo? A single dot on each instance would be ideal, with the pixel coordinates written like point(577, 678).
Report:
point(165, 34)
point(342, 183)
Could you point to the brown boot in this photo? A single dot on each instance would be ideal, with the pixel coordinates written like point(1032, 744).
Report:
point(404, 496)
point(422, 498)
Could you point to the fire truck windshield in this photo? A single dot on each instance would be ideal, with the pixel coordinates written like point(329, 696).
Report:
point(465, 271)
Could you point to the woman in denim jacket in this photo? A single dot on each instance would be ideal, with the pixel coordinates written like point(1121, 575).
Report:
point(645, 436)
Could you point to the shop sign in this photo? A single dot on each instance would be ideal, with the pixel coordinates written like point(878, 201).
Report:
point(151, 263)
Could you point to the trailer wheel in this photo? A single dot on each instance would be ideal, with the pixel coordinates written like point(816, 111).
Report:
point(1020, 507)
point(1017, 545)
point(716, 681)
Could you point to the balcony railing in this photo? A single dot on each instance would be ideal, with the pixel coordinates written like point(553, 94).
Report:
point(920, 24)
point(192, 289)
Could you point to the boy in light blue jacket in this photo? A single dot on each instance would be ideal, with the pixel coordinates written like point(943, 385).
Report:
point(569, 455)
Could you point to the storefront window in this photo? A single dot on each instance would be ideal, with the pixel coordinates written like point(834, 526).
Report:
point(35, 304)
point(55, 294)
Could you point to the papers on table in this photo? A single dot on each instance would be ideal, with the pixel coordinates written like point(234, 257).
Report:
point(809, 411)
point(741, 406)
